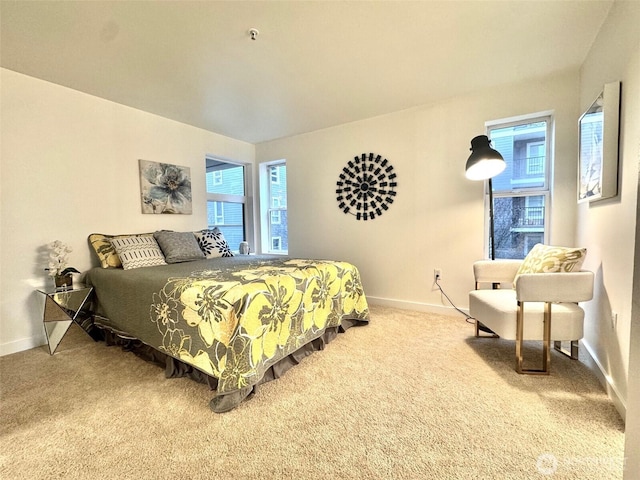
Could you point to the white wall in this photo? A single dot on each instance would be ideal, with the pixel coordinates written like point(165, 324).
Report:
point(70, 168)
point(437, 218)
point(607, 228)
point(632, 425)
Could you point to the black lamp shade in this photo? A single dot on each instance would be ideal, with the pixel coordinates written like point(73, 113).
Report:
point(484, 162)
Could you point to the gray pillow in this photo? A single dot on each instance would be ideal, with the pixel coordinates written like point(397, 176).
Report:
point(178, 246)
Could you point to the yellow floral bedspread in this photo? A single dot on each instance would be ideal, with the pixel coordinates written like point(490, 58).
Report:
point(235, 325)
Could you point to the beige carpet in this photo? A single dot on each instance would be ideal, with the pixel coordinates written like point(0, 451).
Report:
point(410, 396)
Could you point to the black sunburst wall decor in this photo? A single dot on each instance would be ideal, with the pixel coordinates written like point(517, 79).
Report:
point(366, 186)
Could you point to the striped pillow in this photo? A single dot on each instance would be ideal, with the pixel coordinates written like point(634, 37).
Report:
point(138, 251)
point(105, 250)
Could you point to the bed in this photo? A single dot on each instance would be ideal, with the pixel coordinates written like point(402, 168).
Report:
point(232, 322)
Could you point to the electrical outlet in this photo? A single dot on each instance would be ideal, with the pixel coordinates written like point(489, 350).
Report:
point(437, 274)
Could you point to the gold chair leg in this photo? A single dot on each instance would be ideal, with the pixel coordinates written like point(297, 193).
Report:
point(487, 334)
point(573, 354)
point(546, 342)
point(477, 326)
point(519, 335)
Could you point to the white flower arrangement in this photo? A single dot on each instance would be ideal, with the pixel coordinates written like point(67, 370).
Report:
point(58, 259)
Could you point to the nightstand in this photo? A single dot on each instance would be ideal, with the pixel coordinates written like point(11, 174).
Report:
point(61, 308)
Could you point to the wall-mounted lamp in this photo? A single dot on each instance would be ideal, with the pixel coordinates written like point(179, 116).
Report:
point(484, 163)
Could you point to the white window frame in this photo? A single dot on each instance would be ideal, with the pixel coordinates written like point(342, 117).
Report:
point(515, 191)
point(267, 207)
point(246, 199)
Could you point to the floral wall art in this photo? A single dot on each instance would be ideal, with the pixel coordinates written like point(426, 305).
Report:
point(165, 188)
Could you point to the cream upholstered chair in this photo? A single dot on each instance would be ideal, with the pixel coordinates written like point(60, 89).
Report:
point(541, 302)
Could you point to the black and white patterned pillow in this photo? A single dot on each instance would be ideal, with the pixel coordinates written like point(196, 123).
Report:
point(213, 244)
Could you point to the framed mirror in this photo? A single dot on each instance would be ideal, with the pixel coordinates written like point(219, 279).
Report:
point(598, 158)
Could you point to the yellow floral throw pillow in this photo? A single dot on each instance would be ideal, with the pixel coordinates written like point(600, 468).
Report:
point(550, 259)
point(105, 250)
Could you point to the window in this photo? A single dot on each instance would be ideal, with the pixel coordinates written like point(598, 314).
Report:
point(275, 175)
point(276, 217)
point(273, 201)
point(227, 200)
point(217, 213)
point(535, 158)
point(521, 193)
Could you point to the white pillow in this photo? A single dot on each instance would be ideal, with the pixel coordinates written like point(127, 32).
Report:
point(213, 244)
point(138, 251)
point(552, 259)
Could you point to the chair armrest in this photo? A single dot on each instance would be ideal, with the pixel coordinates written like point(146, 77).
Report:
point(495, 271)
point(555, 287)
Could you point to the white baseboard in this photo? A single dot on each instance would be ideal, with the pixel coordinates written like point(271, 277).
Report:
point(606, 381)
point(416, 306)
point(22, 344)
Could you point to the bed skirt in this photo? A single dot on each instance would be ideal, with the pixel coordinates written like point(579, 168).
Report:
point(175, 368)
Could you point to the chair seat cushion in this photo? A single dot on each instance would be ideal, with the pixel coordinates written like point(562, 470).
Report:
point(498, 310)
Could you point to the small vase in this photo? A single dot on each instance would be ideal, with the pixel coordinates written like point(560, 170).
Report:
point(63, 282)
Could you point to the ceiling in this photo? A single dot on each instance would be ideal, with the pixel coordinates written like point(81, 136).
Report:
point(314, 64)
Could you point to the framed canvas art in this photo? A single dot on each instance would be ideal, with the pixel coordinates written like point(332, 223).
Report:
point(598, 164)
point(165, 188)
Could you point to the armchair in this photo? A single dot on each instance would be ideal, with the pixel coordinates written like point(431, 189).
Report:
point(537, 291)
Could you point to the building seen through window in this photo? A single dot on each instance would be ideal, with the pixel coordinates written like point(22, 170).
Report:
point(278, 241)
point(521, 191)
point(226, 200)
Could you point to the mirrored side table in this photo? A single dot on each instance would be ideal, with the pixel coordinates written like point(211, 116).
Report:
point(61, 308)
